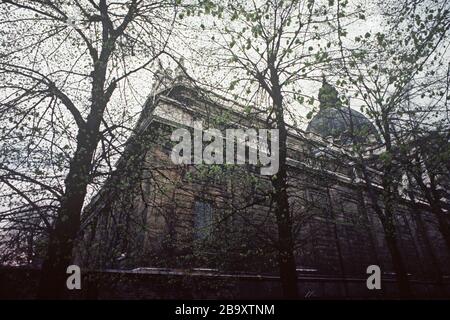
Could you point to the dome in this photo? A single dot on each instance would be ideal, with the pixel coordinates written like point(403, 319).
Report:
point(334, 120)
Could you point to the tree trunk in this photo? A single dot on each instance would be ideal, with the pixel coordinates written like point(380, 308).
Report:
point(434, 261)
point(387, 221)
point(59, 253)
point(399, 267)
point(286, 258)
point(444, 226)
point(61, 242)
point(433, 199)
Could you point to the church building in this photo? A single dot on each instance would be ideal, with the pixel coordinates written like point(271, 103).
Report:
point(153, 214)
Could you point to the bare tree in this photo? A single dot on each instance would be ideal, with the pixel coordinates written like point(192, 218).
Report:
point(384, 77)
point(271, 47)
point(68, 93)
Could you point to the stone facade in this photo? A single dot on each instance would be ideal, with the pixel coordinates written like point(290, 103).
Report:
point(153, 213)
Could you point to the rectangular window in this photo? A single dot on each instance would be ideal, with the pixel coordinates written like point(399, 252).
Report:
point(203, 219)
